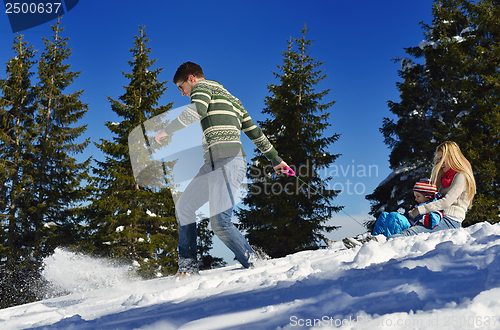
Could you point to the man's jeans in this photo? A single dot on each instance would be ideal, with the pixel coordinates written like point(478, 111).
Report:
point(445, 223)
point(219, 186)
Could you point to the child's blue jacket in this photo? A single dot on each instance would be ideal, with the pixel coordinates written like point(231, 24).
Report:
point(393, 223)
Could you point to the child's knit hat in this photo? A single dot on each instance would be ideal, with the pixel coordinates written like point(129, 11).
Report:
point(426, 188)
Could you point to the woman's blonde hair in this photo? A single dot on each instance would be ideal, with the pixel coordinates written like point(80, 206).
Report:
point(457, 161)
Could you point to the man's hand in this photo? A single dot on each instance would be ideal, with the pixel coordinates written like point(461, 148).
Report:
point(160, 135)
point(281, 168)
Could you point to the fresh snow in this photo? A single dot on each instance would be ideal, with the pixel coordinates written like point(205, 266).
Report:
point(444, 280)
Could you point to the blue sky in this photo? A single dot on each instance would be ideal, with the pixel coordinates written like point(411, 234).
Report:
point(239, 44)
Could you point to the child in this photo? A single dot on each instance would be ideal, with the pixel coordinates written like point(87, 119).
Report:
point(393, 223)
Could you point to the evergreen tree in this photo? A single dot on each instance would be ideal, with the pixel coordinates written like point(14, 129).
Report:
point(17, 130)
point(282, 214)
point(41, 181)
point(59, 179)
point(450, 95)
point(127, 221)
point(478, 131)
point(426, 116)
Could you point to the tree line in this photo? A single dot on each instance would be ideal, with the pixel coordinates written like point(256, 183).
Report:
point(49, 199)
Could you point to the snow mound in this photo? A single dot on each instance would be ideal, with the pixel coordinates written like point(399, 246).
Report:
point(444, 280)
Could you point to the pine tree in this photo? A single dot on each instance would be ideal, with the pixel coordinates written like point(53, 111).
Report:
point(282, 215)
point(17, 130)
point(127, 221)
point(478, 133)
point(42, 184)
point(451, 95)
point(427, 113)
point(59, 185)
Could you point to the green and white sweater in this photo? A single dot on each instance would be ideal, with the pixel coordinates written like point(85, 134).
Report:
point(222, 117)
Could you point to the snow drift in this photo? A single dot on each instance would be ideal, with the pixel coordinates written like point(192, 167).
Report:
point(444, 280)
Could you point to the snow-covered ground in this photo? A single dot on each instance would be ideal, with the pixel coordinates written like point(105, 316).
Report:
point(444, 280)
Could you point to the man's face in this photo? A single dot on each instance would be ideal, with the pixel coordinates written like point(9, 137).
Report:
point(186, 86)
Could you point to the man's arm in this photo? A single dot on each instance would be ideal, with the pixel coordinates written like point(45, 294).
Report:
point(187, 117)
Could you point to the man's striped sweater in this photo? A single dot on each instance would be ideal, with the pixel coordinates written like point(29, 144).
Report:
point(222, 117)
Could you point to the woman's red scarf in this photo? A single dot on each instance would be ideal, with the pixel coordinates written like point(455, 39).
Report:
point(448, 177)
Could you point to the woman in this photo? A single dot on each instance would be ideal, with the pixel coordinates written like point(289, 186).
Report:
point(454, 179)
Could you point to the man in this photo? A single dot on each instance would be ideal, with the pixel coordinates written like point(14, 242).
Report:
point(222, 117)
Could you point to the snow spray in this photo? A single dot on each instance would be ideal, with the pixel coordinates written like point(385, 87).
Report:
point(77, 272)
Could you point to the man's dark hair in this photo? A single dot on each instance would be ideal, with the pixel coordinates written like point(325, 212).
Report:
point(187, 69)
